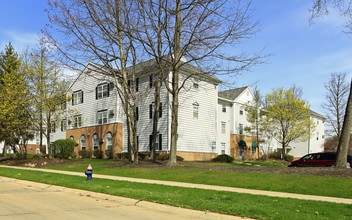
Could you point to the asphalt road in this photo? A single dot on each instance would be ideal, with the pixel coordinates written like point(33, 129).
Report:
point(25, 200)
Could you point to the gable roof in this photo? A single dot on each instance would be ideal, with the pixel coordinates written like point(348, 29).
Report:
point(232, 94)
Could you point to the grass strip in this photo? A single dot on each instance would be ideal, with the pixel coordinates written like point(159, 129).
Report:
point(251, 206)
point(301, 184)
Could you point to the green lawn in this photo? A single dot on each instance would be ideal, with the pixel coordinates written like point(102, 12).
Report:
point(252, 206)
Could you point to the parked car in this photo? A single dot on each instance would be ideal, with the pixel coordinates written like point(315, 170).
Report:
point(325, 159)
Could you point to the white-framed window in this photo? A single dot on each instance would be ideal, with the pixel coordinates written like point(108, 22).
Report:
point(151, 108)
point(53, 127)
point(63, 105)
point(223, 108)
point(77, 97)
point(240, 128)
point(102, 91)
point(223, 127)
point(102, 117)
point(223, 145)
point(95, 141)
point(109, 140)
point(241, 110)
point(63, 125)
point(77, 121)
point(83, 142)
point(195, 110)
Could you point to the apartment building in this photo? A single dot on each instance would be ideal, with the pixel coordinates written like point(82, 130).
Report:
point(210, 122)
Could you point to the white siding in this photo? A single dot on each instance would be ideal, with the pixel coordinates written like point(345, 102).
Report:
point(203, 133)
point(227, 118)
point(90, 106)
point(240, 113)
point(196, 134)
point(314, 144)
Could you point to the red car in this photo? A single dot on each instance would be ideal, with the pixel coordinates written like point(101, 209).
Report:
point(325, 159)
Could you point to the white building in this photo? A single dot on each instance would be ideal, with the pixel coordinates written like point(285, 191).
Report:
point(32, 146)
point(210, 122)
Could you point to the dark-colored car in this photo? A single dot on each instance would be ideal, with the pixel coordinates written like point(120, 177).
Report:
point(325, 159)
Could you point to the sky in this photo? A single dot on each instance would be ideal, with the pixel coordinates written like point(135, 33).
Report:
point(301, 54)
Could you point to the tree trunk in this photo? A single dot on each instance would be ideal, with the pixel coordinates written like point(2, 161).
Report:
point(175, 81)
point(4, 150)
point(342, 148)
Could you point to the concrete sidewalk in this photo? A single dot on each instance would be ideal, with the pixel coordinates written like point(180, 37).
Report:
point(201, 186)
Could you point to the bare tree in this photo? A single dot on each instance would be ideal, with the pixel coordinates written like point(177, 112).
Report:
point(321, 7)
point(335, 105)
point(203, 32)
point(98, 31)
point(200, 33)
point(344, 140)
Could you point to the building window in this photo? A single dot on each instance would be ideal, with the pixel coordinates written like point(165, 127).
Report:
point(77, 97)
point(195, 85)
point(53, 127)
point(136, 84)
point(95, 142)
point(158, 143)
point(63, 125)
point(63, 105)
point(109, 141)
point(241, 110)
point(151, 111)
point(240, 126)
point(37, 138)
point(223, 108)
point(77, 121)
point(102, 117)
point(223, 145)
point(83, 142)
point(195, 110)
point(102, 91)
point(223, 127)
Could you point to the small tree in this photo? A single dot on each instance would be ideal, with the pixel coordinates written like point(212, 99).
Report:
point(63, 148)
point(287, 117)
point(47, 89)
point(255, 117)
point(335, 104)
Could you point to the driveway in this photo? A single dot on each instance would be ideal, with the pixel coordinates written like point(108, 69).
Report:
point(29, 200)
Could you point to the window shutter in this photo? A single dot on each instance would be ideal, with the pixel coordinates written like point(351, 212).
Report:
point(108, 84)
point(160, 142)
point(73, 98)
point(137, 114)
point(82, 96)
point(160, 110)
point(150, 111)
point(96, 92)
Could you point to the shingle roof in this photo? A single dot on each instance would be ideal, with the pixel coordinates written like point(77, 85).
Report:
point(232, 94)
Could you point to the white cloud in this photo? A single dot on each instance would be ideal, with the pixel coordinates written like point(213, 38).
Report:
point(20, 40)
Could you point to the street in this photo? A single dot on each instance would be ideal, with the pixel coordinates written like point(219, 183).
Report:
point(30, 200)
